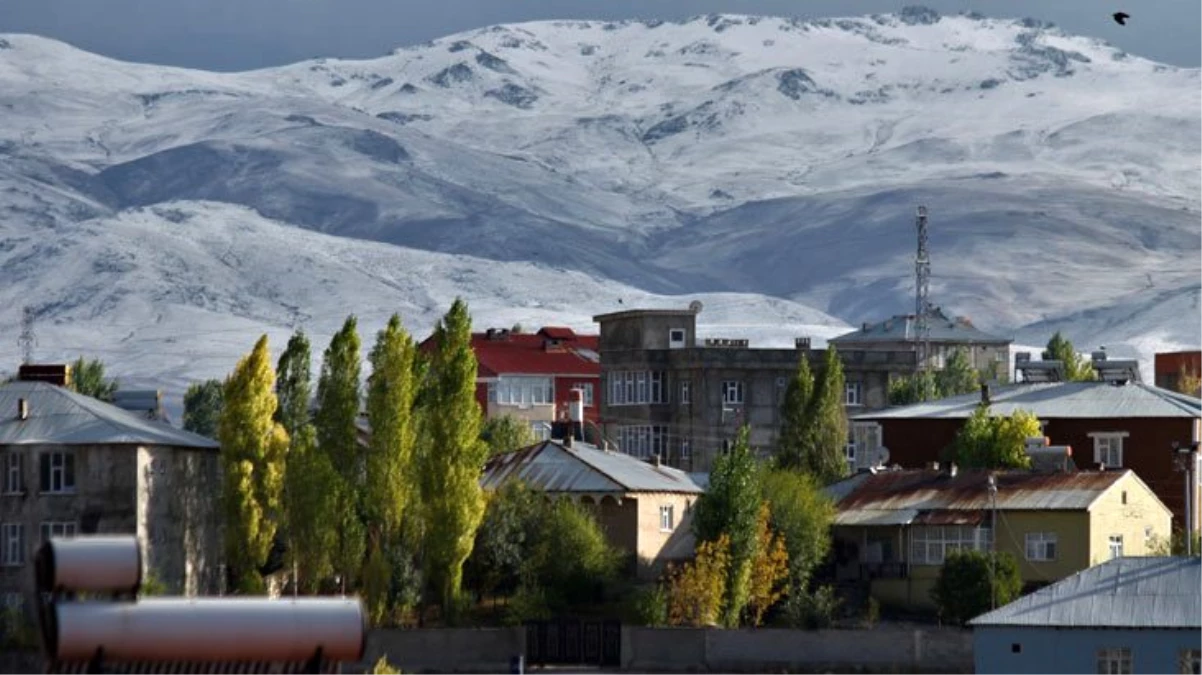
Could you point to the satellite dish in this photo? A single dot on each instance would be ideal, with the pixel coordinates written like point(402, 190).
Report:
point(695, 306)
point(882, 456)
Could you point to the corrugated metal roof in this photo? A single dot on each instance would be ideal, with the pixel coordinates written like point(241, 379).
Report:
point(1057, 400)
point(925, 490)
point(903, 327)
point(550, 467)
point(875, 517)
point(62, 417)
point(1152, 592)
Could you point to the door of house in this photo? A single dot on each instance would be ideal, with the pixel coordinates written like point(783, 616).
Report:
point(570, 641)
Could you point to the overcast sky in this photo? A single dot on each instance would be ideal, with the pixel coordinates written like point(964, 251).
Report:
point(246, 34)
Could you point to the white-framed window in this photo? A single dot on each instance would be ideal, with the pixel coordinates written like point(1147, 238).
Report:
point(1189, 661)
point(676, 338)
point(1041, 546)
point(631, 387)
point(849, 453)
point(14, 471)
point(686, 392)
point(57, 472)
point(57, 529)
point(542, 430)
point(732, 392)
point(1108, 448)
point(930, 545)
point(1114, 661)
point(586, 392)
point(12, 544)
point(523, 391)
point(667, 518)
point(643, 440)
point(1116, 546)
point(852, 394)
point(867, 437)
point(686, 450)
point(1149, 537)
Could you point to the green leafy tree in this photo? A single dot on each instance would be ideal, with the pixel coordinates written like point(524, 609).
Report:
point(504, 539)
point(992, 442)
point(730, 507)
point(293, 383)
point(202, 407)
point(338, 438)
point(796, 421)
point(802, 513)
point(87, 378)
point(958, 375)
point(971, 583)
point(570, 559)
point(451, 456)
point(825, 457)
point(506, 433)
point(253, 448)
point(1076, 369)
point(916, 388)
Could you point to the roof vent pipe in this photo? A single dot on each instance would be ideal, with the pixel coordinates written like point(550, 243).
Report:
point(985, 394)
point(22, 409)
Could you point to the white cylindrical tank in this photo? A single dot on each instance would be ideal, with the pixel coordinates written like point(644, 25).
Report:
point(90, 563)
point(209, 629)
point(576, 406)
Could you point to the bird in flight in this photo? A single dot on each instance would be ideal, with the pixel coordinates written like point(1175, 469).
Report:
point(1121, 18)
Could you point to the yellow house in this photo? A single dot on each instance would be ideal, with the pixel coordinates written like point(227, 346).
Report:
point(644, 508)
point(894, 528)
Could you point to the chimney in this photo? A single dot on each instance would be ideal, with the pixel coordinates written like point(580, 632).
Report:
point(22, 409)
point(655, 461)
point(985, 393)
point(567, 439)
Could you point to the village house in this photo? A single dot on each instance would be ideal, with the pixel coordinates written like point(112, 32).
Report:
point(1117, 423)
point(1170, 367)
point(531, 376)
point(645, 509)
point(1126, 615)
point(672, 395)
point(894, 528)
point(75, 465)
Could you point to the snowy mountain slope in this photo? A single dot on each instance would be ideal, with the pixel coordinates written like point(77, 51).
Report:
point(727, 153)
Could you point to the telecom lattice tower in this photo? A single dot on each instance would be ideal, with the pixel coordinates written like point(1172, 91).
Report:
point(922, 302)
point(26, 339)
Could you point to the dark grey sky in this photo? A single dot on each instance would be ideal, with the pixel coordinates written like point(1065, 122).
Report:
point(245, 34)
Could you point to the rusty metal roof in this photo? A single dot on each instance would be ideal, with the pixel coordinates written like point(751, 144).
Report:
point(1129, 592)
point(59, 416)
point(550, 467)
point(925, 494)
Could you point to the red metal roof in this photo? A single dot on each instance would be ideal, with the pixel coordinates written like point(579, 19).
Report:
point(551, 351)
point(934, 491)
point(557, 333)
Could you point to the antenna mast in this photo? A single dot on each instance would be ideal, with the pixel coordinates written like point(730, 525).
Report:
point(922, 302)
point(26, 339)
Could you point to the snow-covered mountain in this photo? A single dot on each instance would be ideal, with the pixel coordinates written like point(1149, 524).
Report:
point(773, 157)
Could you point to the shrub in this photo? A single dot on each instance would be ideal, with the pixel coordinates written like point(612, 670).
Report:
point(963, 590)
point(383, 667)
point(814, 610)
point(650, 607)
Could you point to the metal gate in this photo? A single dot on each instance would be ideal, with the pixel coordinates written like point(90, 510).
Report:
point(568, 641)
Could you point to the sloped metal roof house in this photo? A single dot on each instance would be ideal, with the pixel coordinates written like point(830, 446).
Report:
point(1127, 615)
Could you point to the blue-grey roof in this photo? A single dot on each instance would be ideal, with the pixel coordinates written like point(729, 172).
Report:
point(1152, 592)
point(904, 327)
point(1057, 400)
point(550, 467)
point(59, 416)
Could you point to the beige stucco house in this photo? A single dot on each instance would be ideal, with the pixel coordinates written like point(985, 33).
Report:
point(893, 528)
point(645, 508)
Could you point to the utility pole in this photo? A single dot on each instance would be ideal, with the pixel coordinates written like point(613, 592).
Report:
point(1187, 460)
point(922, 290)
point(993, 542)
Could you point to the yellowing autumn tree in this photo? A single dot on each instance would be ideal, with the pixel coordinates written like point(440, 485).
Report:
point(697, 589)
point(769, 571)
point(253, 448)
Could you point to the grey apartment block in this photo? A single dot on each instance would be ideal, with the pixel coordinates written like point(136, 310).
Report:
point(75, 465)
point(664, 392)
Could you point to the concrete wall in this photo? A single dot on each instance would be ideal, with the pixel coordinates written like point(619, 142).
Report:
point(1043, 650)
point(657, 546)
point(179, 518)
point(1128, 509)
point(1072, 542)
point(449, 650)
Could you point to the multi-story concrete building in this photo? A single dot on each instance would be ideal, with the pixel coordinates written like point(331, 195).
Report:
point(946, 334)
point(76, 465)
point(669, 394)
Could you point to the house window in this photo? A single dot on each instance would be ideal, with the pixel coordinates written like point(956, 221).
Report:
point(686, 450)
point(732, 392)
point(1116, 546)
point(628, 387)
point(12, 544)
point(57, 529)
point(1108, 448)
point(867, 437)
point(1113, 661)
point(676, 338)
point(1190, 661)
point(1016, 648)
point(643, 441)
point(586, 392)
point(1041, 546)
point(930, 545)
point(524, 391)
point(542, 431)
point(667, 518)
point(14, 472)
point(58, 472)
point(851, 394)
point(686, 396)
point(1149, 538)
point(849, 453)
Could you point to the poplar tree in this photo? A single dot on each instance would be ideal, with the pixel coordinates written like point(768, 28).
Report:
point(452, 456)
point(253, 447)
point(795, 420)
point(338, 440)
point(202, 407)
point(293, 378)
point(825, 457)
